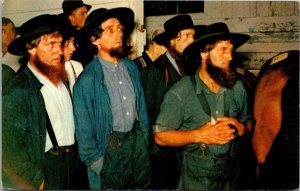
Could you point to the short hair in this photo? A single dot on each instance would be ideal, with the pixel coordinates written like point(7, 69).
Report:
point(6, 21)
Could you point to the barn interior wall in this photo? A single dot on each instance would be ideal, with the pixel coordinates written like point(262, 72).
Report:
point(272, 25)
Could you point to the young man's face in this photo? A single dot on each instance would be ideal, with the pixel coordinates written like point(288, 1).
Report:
point(111, 38)
point(8, 34)
point(78, 17)
point(68, 49)
point(183, 40)
point(221, 55)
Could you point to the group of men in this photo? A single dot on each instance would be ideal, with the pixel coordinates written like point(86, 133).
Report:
point(154, 128)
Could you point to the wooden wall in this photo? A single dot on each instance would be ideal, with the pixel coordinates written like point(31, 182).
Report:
point(273, 26)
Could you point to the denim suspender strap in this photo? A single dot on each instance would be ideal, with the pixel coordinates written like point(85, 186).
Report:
point(201, 97)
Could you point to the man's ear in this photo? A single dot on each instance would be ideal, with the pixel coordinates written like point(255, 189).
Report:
point(95, 41)
point(32, 51)
point(204, 55)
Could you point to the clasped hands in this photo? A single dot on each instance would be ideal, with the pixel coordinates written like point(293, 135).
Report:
point(219, 133)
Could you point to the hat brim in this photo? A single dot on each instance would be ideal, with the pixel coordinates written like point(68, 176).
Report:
point(193, 49)
point(123, 14)
point(162, 38)
point(18, 46)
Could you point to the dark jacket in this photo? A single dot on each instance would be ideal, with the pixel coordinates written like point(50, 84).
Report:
point(157, 79)
point(24, 130)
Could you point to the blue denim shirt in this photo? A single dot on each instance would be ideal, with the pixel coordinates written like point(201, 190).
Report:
point(93, 114)
point(121, 94)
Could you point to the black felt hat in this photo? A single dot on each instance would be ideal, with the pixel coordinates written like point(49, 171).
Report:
point(214, 32)
point(33, 28)
point(174, 25)
point(70, 5)
point(123, 14)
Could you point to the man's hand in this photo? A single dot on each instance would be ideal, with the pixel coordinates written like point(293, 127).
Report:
point(239, 126)
point(220, 133)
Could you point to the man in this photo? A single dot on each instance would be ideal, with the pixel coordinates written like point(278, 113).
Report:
point(111, 119)
point(75, 13)
point(157, 80)
point(168, 68)
point(203, 112)
point(10, 63)
point(73, 68)
point(38, 134)
point(275, 139)
point(155, 49)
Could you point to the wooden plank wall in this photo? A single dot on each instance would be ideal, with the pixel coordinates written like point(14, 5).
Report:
point(273, 26)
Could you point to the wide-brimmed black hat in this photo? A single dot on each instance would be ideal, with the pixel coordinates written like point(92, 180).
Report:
point(123, 14)
point(71, 5)
point(174, 25)
point(33, 28)
point(214, 32)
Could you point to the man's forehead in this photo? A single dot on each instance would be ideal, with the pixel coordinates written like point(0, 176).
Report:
point(52, 36)
point(224, 43)
point(110, 22)
point(9, 25)
point(81, 9)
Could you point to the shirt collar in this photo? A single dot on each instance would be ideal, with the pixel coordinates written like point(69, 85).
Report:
point(108, 64)
point(39, 76)
point(43, 80)
point(172, 60)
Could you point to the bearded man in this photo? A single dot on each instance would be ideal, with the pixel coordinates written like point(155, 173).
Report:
point(157, 80)
point(38, 134)
point(111, 119)
point(206, 113)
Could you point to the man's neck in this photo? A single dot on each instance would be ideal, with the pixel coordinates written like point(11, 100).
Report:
point(107, 57)
point(208, 81)
point(153, 52)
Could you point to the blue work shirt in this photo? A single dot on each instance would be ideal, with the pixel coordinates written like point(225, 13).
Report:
point(121, 94)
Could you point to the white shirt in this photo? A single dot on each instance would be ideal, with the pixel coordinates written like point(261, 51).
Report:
point(73, 69)
point(60, 110)
point(11, 61)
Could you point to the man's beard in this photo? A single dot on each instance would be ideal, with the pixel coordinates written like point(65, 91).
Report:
point(117, 52)
point(54, 73)
point(225, 78)
point(175, 54)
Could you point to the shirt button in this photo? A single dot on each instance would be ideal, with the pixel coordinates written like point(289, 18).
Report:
point(217, 112)
point(120, 82)
point(124, 98)
point(127, 113)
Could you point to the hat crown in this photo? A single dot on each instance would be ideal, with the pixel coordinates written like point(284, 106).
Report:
point(178, 23)
point(218, 28)
point(95, 13)
point(70, 5)
point(98, 16)
point(40, 23)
